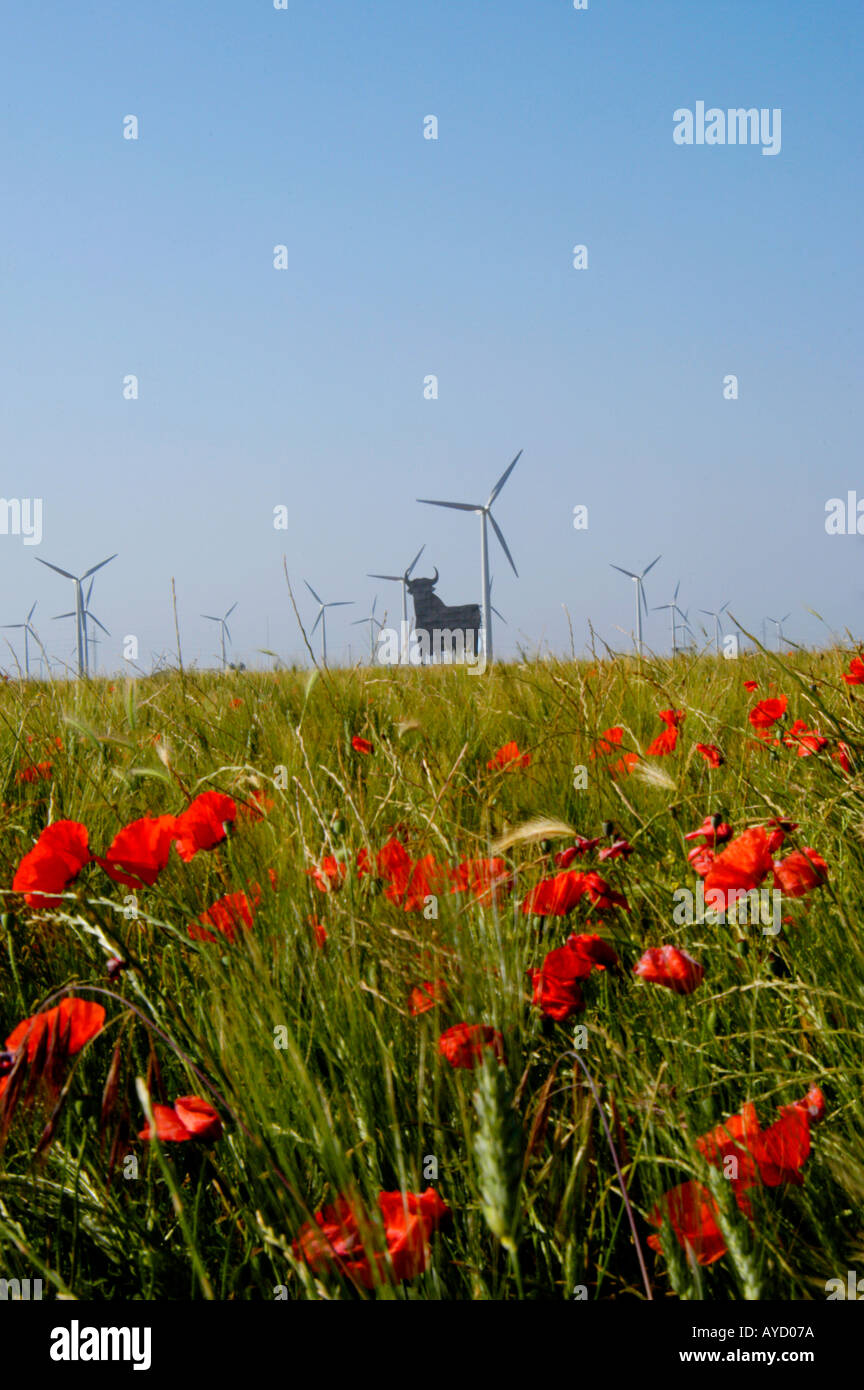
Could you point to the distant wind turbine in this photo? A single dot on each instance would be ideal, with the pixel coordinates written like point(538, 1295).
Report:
point(79, 612)
point(640, 596)
point(485, 514)
point(224, 631)
point(778, 623)
point(373, 623)
point(673, 609)
point(718, 627)
point(403, 580)
point(322, 616)
point(29, 631)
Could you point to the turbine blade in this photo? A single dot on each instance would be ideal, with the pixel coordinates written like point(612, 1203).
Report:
point(398, 578)
point(65, 573)
point(499, 615)
point(57, 616)
point(414, 561)
point(650, 567)
point(87, 573)
point(94, 619)
point(317, 620)
point(502, 480)
point(231, 609)
point(457, 506)
point(32, 611)
point(210, 616)
point(497, 529)
point(312, 591)
point(629, 573)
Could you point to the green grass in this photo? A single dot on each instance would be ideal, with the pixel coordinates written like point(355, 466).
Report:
point(358, 1098)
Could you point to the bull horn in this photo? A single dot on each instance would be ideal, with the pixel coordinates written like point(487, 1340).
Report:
point(435, 580)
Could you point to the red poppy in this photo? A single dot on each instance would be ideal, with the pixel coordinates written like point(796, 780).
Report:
point(671, 967)
point(856, 672)
point(555, 896)
point(779, 830)
point(841, 756)
point(335, 1241)
point(711, 753)
point(742, 865)
point(139, 852)
point(692, 1213)
point(361, 745)
point(624, 765)
point(509, 757)
point(772, 1156)
point(389, 859)
point(226, 915)
point(463, 1045)
point(701, 858)
point(800, 872)
point(426, 996)
point(601, 895)
point(582, 846)
point(710, 833)
point(607, 742)
point(751, 686)
point(411, 885)
point(557, 984)
point(807, 740)
point(619, 849)
point(663, 744)
point(236, 702)
point(595, 950)
point(673, 718)
point(329, 874)
point(55, 860)
point(67, 1027)
point(190, 1117)
point(256, 807)
point(485, 879)
point(319, 931)
point(34, 772)
point(203, 824)
point(766, 713)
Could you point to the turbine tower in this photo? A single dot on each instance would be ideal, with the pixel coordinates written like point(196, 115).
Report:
point(640, 596)
point(224, 631)
point(79, 612)
point(485, 514)
point(29, 631)
point(673, 609)
point(718, 628)
point(403, 580)
point(778, 623)
point(373, 623)
point(322, 616)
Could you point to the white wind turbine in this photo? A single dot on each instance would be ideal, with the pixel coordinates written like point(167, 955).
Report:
point(80, 612)
point(485, 514)
point(322, 616)
point(718, 627)
point(403, 580)
point(373, 623)
point(673, 609)
point(778, 623)
point(640, 596)
point(29, 631)
point(224, 631)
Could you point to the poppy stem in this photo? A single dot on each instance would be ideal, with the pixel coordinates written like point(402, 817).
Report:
point(614, 1154)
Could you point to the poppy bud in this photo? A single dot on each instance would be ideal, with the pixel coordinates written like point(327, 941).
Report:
point(545, 846)
point(338, 826)
point(7, 1062)
point(115, 966)
point(608, 828)
point(716, 820)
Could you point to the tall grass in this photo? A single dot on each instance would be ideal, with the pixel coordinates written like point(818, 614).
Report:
point(326, 1081)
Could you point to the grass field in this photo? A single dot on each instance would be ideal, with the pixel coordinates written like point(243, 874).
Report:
point(326, 1079)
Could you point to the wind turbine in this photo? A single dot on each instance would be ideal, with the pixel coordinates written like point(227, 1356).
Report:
point(372, 621)
point(485, 514)
point(778, 623)
point(29, 631)
point(224, 631)
point(715, 614)
point(640, 596)
point(403, 580)
point(79, 612)
point(673, 609)
point(322, 616)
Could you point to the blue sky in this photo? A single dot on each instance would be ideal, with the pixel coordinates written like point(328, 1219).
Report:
point(409, 257)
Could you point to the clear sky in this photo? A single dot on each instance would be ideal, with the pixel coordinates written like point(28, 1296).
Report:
point(409, 257)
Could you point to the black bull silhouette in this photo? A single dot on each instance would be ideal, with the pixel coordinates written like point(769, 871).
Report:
point(432, 617)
